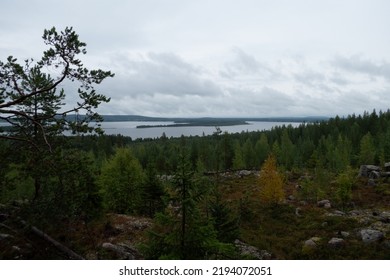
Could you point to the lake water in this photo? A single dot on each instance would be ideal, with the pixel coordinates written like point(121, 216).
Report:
point(130, 129)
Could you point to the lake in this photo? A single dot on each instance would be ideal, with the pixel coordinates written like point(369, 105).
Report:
point(130, 129)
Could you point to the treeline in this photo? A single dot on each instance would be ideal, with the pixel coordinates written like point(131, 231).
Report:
point(333, 144)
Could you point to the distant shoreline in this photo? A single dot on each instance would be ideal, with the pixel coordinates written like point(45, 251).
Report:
point(198, 123)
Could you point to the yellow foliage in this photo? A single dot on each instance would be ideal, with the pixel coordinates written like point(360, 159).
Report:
point(271, 182)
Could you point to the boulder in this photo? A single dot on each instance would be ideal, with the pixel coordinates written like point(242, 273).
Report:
point(371, 183)
point(382, 227)
point(371, 235)
point(291, 197)
point(365, 170)
point(374, 175)
point(243, 173)
point(385, 217)
point(121, 251)
point(324, 204)
point(251, 251)
point(339, 213)
point(311, 244)
point(336, 242)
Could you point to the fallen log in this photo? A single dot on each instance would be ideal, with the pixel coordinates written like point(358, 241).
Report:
point(54, 242)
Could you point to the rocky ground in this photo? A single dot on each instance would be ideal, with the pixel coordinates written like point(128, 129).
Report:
point(300, 230)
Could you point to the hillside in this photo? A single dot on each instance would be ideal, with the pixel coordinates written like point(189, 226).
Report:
point(109, 197)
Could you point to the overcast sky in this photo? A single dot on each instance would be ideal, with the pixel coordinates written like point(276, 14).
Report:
point(254, 58)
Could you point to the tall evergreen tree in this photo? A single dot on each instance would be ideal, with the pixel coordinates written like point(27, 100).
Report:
point(182, 231)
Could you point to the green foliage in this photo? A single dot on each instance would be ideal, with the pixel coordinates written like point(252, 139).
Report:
point(238, 159)
point(345, 181)
point(152, 191)
point(14, 184)
point(182, 231)
point(262, 149)
point(69, 191)
point(29, 99)
point(310, 191)
point(121, 181)
point(367, 151)
point(225, 222)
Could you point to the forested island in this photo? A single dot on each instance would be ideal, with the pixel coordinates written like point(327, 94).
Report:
point(320, 190)
point(218, 122)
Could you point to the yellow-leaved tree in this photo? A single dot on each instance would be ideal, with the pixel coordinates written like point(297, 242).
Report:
point(271, 182)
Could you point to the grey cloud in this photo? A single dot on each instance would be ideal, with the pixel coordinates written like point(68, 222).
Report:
point(310, 77)
point(358, 64)
point(164, 73)
point(338, 79)
point(245, 64)
point(265, 101)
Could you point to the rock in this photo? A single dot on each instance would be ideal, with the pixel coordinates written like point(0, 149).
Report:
point(324, 204)
point(251, 251)
point(338, 213)
point(4, 236)
point(16, 249)
point(371, 183)
point(365, 170)
point(121, 251)
point(311, 244)
point(243, 173)
point(303, 202)
point(336, 242)
point(384, 217)
point(374, 175)
point(355, 212)
point(324, 224)
point(345, 234)
point(382, 227)
point(371, 235)
point(291, 197)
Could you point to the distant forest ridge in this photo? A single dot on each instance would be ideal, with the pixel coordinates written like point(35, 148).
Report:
point(204, 121)
point(138, 118)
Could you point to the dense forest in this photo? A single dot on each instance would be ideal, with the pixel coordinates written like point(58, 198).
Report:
point(317, 191)
point(194, 197)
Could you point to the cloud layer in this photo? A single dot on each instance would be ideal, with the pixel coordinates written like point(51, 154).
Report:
point(221, 58)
